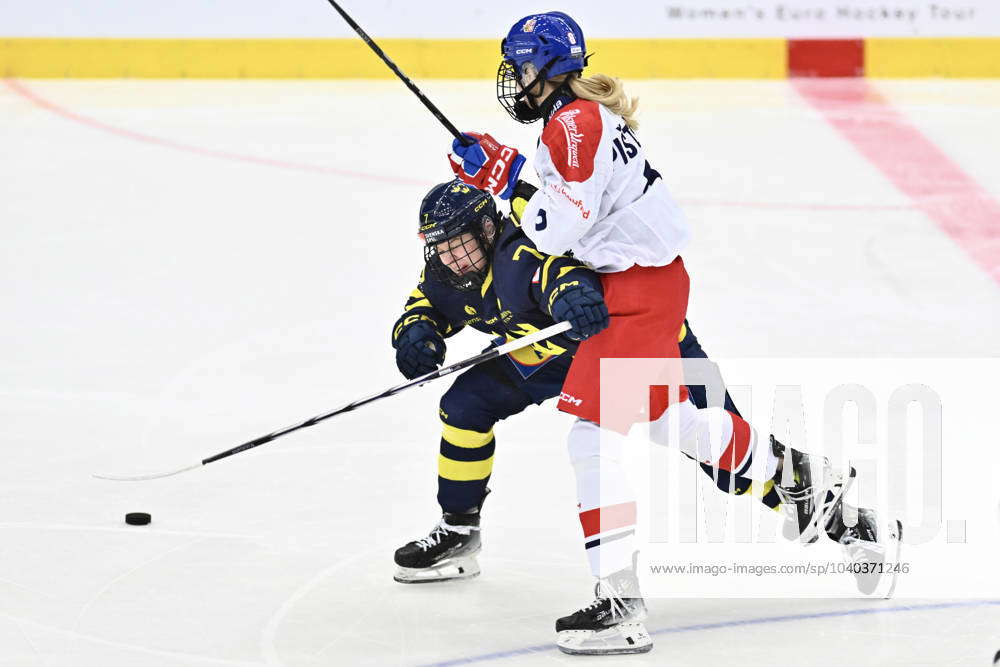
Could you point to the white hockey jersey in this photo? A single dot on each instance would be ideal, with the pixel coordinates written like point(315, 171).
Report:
point(599, 195)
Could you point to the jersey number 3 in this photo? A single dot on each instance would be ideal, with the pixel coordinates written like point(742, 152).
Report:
point(543, 221)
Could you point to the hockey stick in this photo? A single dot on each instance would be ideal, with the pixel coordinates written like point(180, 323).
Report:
point(465, 141)
point(492, 353)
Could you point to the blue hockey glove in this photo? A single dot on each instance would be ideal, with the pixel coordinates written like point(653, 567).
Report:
point(419, 350)
point(584, 308)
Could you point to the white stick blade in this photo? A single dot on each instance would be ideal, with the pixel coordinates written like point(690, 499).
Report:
point(145, 476)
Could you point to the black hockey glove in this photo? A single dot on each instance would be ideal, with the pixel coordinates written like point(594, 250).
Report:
point(419, 350)
point(584, 308)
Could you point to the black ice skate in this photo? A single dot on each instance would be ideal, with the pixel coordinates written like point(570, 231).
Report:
point(449, 552)
point(610, 624)
point(871, 551)
point(806, 505)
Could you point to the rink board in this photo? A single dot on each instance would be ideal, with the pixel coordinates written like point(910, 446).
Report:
point(755, 58)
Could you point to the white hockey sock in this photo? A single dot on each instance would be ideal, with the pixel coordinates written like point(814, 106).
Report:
point(605, 499)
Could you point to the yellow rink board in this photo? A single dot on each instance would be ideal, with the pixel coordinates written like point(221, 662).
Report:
point(967, 57)
point(463, 59)
point(351, 58)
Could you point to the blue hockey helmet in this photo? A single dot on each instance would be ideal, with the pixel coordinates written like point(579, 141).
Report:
point(552, 43)
point(458, 224)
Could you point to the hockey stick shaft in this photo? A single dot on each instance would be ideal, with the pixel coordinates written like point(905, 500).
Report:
point(492, 353)
point(405, 79)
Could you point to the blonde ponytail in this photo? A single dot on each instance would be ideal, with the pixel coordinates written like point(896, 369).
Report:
point(610, 92)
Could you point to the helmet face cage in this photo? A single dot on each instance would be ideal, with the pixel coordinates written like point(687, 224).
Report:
point(508, 91)
point(467, 248)
point(513, 98)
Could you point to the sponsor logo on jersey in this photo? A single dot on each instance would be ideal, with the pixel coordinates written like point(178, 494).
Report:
point(574, 140)
point(573, 136)
point(570, 399)
point(578, 203)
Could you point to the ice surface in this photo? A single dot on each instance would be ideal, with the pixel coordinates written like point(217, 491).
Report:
point(188, 264)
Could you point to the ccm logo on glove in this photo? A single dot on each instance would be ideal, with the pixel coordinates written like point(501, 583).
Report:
point(486, 164)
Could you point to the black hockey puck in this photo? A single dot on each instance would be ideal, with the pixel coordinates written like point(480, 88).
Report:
point(137, 518)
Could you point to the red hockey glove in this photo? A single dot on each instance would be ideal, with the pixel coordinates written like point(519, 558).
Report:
point(486, 164)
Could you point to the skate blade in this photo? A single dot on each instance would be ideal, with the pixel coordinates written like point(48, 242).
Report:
point(449, 570)
point(618, 640)
point(897, 547)
point(882, 583)
point(893, 542)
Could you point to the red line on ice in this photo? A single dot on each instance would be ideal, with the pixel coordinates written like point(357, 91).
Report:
point(913, 163)
point(23, 91)
point(33, 97)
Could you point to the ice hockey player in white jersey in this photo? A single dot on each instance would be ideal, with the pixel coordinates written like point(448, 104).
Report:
point(603, 202)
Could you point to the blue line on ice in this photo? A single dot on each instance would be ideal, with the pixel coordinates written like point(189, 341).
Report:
point(541, 648)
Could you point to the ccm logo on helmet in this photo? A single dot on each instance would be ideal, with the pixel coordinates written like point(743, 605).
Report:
point(500, 167)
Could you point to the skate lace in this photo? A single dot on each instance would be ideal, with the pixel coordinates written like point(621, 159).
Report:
point(598, 599)
point(795, 493)
point(604, 592)
point(791, 498)
point(434, 538)
point(440, 531)
point(823, 496)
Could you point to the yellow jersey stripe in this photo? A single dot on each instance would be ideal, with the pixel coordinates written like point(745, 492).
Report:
point(425, 303)
point(487, 282)
point(464, 471)
point(461, 437)
point(564, 270)
point(523, 248)
point(545, 271)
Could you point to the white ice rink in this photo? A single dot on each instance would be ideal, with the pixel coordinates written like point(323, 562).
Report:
point(186, 265)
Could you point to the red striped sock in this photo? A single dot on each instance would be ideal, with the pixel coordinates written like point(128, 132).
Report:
point(734, 456)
